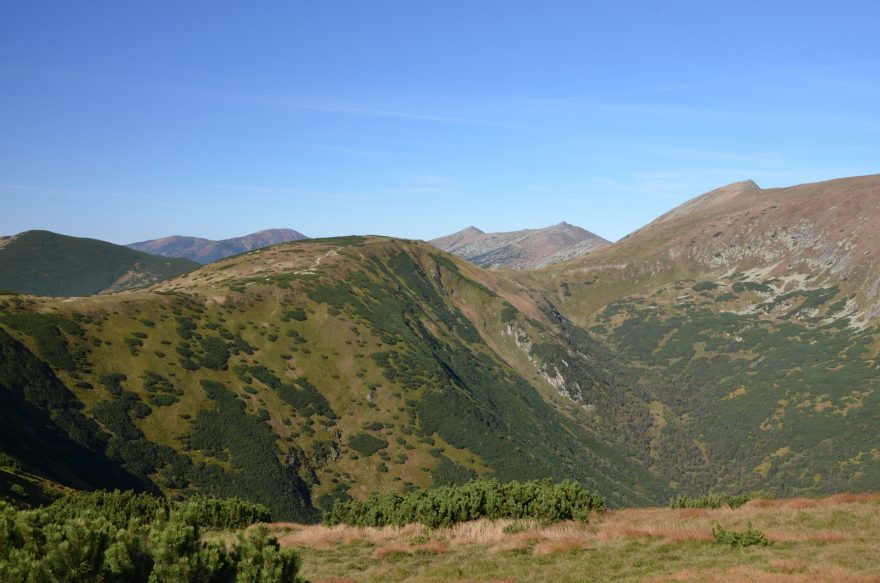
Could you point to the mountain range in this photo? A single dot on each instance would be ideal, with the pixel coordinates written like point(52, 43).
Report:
point(205, 250)
point(525, 249)
point(731, 345)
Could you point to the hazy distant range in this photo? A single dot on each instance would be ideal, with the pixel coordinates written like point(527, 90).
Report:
point(207, 251)
point(525, 249)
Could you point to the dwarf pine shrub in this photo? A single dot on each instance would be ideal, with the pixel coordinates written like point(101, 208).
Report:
point(540, 500)
point(711, 501)
point(122, 536)
point(746, 538)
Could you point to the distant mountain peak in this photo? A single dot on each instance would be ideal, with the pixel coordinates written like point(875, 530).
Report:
point(208, 251)
point(524, 249)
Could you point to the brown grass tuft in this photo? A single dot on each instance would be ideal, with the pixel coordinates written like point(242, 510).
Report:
point(673, 535)
point(816, 574)
point(790, 565)
point(392, 550)
point(690, 513)
point(849, 498)
point(561, 545)
point(802, 503)
point(478, 532)
point(813, 536)
point(515, 543)
point(683, 535)
point(502, 580)
point(434, 547)
point(326, 537)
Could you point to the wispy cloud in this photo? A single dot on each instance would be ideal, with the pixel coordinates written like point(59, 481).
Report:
point(177, 201)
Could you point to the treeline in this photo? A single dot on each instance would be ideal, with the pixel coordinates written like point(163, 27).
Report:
point(540, 500)
point(123, 536)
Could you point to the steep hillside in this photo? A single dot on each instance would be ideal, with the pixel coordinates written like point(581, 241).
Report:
point(526, 249)
point(313, 371)
point(45, 263)
point(751, 316)
point(206, 251)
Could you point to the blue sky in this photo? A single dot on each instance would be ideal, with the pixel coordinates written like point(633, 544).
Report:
point(133, 120)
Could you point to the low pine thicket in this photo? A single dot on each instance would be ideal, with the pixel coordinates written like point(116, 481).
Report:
point(542, 500)
point(116, 537)
point(745, 538)
point(711, 501)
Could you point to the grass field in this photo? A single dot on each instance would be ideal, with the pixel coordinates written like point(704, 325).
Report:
point(834, 539)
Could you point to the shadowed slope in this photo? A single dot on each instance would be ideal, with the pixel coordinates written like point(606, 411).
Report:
point(45, 263)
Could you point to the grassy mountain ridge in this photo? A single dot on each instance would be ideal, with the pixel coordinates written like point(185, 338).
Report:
point(45, 263)
point(318, 370)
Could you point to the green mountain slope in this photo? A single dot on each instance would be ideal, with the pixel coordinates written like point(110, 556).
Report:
point(42, 427)
point(730, 345)
point(318, 370)
point(45, 263)
point(749, 317)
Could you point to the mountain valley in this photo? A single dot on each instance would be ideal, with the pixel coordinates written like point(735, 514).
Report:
point(731, 345)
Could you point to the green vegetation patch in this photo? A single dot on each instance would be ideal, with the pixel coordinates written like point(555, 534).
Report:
point(711, 501)
point(46, 330)
point(745, 538)
point(256, 474)
point(366, 444)
point(704, 286)
point(134, 538)
point(538, 500)
point(449, 473)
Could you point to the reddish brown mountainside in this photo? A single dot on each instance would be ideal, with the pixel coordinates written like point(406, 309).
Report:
point(827, 233)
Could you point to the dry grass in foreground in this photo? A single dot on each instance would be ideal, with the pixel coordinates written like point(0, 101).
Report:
point(835, 539)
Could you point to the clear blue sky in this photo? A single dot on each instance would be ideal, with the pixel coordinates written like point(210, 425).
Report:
point(133, 120)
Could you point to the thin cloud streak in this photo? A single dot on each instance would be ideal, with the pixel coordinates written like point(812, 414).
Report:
point(169, 201)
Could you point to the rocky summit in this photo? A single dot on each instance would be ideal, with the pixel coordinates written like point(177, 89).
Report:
point(525, 249)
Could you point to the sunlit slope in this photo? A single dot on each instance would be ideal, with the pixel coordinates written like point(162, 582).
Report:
point(805, 236)
point(317, 370)
point(750, 318)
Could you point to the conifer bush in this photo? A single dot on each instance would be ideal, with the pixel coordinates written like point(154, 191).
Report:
point(540, 500)
point(746, 538)
point(123, 536)
point(711, 501)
